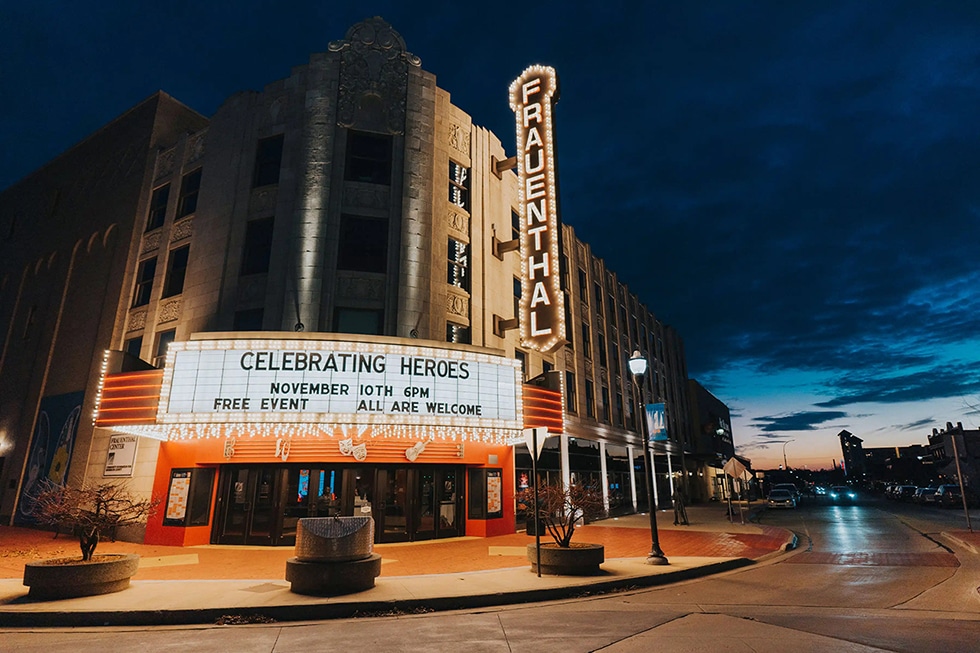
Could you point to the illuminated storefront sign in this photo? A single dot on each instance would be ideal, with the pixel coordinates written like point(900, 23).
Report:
point(532, 96)
point(337, 382)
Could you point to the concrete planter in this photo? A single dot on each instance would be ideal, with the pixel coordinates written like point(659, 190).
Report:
point(66, 578)
point(576, 560)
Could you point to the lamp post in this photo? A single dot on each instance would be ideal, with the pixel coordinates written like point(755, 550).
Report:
point(785, 466)
point(638, 367)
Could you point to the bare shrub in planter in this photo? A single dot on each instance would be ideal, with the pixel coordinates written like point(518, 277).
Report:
point(560, 509)
point(92, 512)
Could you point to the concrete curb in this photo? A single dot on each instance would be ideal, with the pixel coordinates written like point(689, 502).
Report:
point(963, 543)
point(348, 607)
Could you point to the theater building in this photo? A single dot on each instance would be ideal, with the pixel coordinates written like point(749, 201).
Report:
point(318, 301)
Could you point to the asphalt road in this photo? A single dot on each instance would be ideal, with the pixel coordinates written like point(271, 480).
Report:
point(876, 576)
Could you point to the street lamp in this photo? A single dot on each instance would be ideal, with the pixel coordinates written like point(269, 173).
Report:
point(785, 466)
point(638, 367)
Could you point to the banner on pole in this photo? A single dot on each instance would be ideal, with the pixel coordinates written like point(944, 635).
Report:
point(656, 422)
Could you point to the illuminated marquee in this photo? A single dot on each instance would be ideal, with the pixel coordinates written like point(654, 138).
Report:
point(532, 96)
point(337, 382)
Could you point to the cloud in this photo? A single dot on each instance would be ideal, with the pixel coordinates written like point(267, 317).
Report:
point(955, 380)
point(800, 421)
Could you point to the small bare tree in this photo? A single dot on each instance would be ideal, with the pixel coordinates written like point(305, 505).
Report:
point(92, 512)
point(560, 509)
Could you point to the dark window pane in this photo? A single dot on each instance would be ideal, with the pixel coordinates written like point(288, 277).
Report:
point(597, 299)
point(189, 188)
point(158, 207)
point(368, 158)
point(248, 320)
point(358, 320)
point(134, 346)
point(258, 246)
point(583, 286)
point(268, 160)
point(164, 338)
point(589, 399)
point(515, 224)
point(457, 333)
point(176, 271)
point(459, 185)
point(363, 244)
point(570, 392)
point(458, 273)
point(144, 282)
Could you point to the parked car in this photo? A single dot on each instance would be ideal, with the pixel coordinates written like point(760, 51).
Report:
point(921, 494)
point(789, 487)
point(949, 496)
point(905, 492)
point(843, 494)
point(781, 498)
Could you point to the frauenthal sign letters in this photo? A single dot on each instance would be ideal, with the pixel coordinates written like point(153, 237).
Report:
point(532, 96)
point(337, 382)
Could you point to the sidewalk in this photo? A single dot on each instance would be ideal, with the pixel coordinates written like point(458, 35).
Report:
point(177, 585)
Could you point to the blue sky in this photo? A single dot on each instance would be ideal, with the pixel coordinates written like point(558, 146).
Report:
point(796, 186)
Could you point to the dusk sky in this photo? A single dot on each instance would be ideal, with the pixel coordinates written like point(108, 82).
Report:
point(794, 186)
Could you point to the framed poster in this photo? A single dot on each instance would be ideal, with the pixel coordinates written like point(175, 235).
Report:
point(495, 493)
point(121, 455)
point(189, 497)
point(180, 489)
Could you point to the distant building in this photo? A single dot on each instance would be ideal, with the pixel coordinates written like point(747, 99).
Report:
point(712, 446)
point(966, 443)
point(852, 455)
point(909, 464)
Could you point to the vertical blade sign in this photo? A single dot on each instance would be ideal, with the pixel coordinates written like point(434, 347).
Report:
point(532, 97)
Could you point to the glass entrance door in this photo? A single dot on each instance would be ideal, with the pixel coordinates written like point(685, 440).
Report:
point(251, 509)
point(393, 514)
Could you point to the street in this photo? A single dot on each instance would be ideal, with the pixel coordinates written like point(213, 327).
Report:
point(876, 576)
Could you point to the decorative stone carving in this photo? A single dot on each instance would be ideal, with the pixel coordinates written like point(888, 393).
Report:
point(165, 163)
point(459, 138)
point(569, 359)
point(195, 147)
point(373, 77)
point(183, 229)
point(582, 254)
point(369, 196)
point(458, 304)
point(169, 312)
point(458, 220)
point(137, 320)
point(360, 288)
point(584, 310)
point(588, 368)
point(151, 242)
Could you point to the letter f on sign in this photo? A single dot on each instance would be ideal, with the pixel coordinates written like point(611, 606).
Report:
point(530, 87)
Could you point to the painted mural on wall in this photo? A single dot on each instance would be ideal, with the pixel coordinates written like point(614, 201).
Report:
point(51, 447)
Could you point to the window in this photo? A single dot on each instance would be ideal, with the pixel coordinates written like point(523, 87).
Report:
point(586, 341)
point(458, 273)
point(517, 297)
point(268, 160)
point(158, 207)
point(515, 224)
point(605, 404)
point(457, 333)
point(133, 346)
point(570, 392)
point(601, 346)
point(459, 185)
point(358, 320)
point(144, 282)
point(189, 187)
point(546, 367)
point(248, 320)
point(368, 158)
point(597, 297)
point(583, 286)
point(164, 338)
point(521, 356)
point(568, 320)
point(614, 350)
point(563, 272)
point(589, 399)
point(258, 246)
point(176, 271)
point(618, 416)
point(363, 244)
